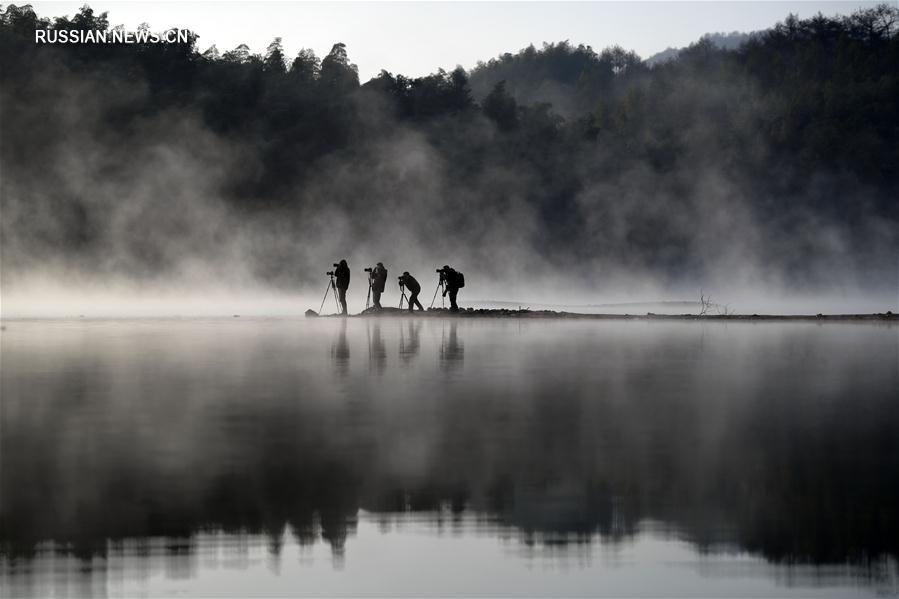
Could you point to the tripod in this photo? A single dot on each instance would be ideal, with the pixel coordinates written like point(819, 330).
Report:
point(368, 297)
point(403, 295)
point(331, 287)
point(440, 285)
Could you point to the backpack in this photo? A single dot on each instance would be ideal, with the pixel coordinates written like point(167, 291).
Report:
point(460, 280)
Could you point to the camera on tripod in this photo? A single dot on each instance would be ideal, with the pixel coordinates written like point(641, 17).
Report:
point(332, 289)
point(368, 269)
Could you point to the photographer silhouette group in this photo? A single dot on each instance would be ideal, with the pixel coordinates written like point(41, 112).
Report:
point(449, 282)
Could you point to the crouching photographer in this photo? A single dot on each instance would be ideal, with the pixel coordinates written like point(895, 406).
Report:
point(409, 282)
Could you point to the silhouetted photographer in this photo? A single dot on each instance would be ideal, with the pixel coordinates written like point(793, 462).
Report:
point(409, 282)
point(342, 274)
point(378, 280)
point(452, 281)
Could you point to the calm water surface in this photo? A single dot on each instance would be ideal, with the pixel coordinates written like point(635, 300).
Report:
point(448, 457)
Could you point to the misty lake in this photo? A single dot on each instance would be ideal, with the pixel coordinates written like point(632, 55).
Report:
point(430, 456)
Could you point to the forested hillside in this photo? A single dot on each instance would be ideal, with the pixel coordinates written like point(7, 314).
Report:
point(776, 163)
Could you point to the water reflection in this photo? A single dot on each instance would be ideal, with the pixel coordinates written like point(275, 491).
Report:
point(410, 341)
point(377, 351)
point(165, 443)
point(340, 349)
point(452, 350)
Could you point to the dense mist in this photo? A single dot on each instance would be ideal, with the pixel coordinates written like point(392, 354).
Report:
point(763, 174)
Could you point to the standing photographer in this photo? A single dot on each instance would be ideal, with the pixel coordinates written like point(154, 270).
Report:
point(342, 273)
point(378, 281)
point(414, 288)
point(453, 281)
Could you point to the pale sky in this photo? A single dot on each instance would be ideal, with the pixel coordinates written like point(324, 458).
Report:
point(417, 38)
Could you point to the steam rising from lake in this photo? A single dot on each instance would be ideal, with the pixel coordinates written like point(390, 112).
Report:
point(112, 210)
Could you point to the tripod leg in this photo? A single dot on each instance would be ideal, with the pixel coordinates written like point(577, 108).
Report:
point(327, 289)
point(336, 298)
point(434, 299)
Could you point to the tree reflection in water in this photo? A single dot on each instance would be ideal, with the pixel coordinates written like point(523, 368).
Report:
point(779, 440)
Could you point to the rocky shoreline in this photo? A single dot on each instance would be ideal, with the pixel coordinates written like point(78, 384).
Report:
point(888, 316)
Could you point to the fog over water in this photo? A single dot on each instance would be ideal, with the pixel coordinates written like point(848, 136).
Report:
point(52, 301)
point(316, 456)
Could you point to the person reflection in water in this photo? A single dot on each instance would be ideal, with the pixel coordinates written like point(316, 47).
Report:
point(340, 351)
point(410, 348)
point(377, 351)
point(342, 272)
point(452, 351)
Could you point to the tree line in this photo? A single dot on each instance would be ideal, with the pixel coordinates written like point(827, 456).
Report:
point(565, 152)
